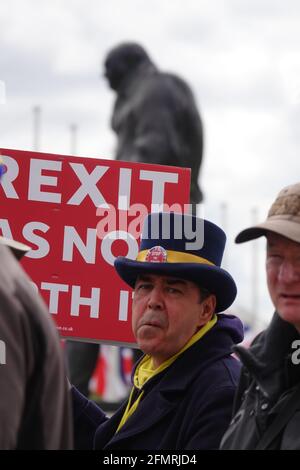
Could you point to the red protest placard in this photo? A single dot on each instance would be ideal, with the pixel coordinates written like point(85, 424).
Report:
point(78, 214)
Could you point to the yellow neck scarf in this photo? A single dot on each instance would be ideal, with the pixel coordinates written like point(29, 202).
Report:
point(146, 371)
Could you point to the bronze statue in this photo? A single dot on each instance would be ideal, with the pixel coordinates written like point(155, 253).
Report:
point(155, 116)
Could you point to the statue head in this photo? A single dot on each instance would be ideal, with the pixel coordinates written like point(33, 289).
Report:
point(121, 61)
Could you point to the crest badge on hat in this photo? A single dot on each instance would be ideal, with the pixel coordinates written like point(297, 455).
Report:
point(157, 254)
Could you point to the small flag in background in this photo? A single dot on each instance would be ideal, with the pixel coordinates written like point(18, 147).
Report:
point(111, 377)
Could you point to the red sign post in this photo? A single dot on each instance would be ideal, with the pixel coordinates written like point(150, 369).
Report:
point(78, 214)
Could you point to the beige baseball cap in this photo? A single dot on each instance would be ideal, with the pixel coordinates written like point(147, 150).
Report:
point(283, 217)
point(18, 248)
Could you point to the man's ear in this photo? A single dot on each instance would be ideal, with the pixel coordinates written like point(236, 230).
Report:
point(207, 309)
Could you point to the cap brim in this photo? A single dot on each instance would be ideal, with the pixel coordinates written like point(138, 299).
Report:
point(215, 279)
point(18, 249)
point(284, 227)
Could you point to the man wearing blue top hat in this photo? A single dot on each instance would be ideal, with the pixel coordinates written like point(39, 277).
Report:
point(183, 386)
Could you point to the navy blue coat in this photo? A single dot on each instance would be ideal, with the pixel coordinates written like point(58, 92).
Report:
point(187, 406)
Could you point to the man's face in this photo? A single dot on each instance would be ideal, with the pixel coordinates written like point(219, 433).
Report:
point(166, 313)
point(283, 277)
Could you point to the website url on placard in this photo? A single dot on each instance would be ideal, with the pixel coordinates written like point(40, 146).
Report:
point(65, 328)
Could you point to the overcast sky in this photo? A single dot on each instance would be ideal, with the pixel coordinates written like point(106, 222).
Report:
point(241, 58)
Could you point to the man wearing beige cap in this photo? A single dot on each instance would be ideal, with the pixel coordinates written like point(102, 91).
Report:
point(267, 405)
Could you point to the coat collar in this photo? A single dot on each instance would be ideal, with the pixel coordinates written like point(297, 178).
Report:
point(268, 359)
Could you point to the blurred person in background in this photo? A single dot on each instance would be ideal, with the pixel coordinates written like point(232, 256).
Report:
point(34, 399)
point(35, 410)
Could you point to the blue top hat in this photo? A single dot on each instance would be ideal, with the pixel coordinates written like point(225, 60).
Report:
point(183, 246)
